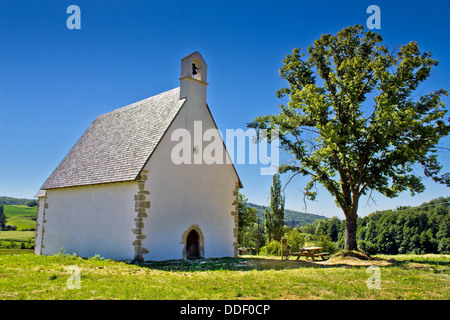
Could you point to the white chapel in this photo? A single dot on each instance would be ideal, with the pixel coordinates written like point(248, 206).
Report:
point(119, 194)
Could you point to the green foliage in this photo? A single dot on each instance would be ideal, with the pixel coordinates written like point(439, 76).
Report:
point(247, 217)
point(295, 239)
point(309, 229)
point(323, 240)
point(2, 217)
point(362, 126)
point(292, 218)
point(32, 203)
point(424, 229)
point(14, 201)
point(97, 257)
point(272, 248)
point(274, 218)
point(419, 230)
point(268, 225)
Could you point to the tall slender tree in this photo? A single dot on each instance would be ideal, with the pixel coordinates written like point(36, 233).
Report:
point(2, 218)
point(247, 217)
point(355, 122)
point(274, 218)
point(268, 225)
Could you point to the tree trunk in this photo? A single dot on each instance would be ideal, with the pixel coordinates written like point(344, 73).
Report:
point(350, 232)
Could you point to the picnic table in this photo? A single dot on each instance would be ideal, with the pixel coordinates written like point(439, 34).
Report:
point(244, 250)
point(311, 252)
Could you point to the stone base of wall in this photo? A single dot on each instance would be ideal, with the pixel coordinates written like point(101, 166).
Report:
point(41, 227)
point(235, 214)
point(140, 207)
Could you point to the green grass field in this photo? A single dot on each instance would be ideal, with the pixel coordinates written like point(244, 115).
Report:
point(27, 276)
point(19, 236)
point(18, 210)
point(23, 217)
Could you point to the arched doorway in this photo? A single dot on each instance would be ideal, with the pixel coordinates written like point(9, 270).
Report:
point(194, 243)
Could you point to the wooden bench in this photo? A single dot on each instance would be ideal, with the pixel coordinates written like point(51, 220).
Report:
point(321, 254)
point(311, 252)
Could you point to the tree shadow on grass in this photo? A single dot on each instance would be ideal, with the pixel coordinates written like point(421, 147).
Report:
point(435, 263)
point(344, 259)
point(293, 263)
point(245, 264)
point(426, 262)
point(195, 265)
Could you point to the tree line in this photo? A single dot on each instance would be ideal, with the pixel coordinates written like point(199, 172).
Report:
point(417, 230)
point(423, 229)
point(15, 201)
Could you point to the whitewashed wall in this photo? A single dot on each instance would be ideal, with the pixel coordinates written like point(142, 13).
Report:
point(188, 194)
point(91, 220)
point(99, 219)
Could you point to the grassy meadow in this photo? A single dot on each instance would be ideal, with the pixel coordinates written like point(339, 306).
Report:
point(21, 216)
point(24, 219)
point(24, 275)
point(17, 236)
point(27, 276)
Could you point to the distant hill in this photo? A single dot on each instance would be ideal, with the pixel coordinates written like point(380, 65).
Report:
point(21, 216)
point(14, 201)
point(292, 218)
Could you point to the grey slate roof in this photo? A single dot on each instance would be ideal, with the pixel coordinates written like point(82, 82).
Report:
point(117, 144)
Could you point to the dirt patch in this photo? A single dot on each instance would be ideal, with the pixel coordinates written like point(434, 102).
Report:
point(351, 261)
point(354, 258)
point(353, 254)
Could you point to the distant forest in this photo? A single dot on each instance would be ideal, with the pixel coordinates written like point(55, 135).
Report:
point(14, 201)
point(418, 230)
point(294, 219)
point(422, 229)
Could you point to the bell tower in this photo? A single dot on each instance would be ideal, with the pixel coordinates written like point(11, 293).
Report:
point(193, 78)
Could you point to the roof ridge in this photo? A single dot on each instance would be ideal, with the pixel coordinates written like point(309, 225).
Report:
point(135, 104)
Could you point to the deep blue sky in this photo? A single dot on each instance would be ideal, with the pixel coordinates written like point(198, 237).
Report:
point(55, 81)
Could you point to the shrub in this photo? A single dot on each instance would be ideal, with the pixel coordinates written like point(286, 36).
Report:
point(272, 248)
point(324, 241)
point(263, 251)
point(29, 244)
point(32, 203)
point(295, 239)
point(444, 246)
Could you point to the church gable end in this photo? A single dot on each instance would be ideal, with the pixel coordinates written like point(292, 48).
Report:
point(119, 187)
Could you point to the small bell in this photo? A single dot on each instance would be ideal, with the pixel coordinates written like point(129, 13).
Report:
point(194, 69)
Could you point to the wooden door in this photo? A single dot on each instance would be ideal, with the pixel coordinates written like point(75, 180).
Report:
point(192, 249)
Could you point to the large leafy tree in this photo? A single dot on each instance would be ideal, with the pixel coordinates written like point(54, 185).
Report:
point(354, 121)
